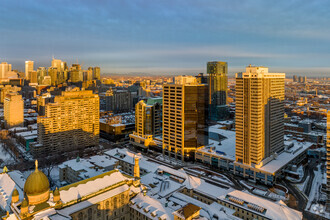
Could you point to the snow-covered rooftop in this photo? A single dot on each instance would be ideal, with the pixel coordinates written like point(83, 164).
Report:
point(273, 210)
point(7, 186)
point(79, 190)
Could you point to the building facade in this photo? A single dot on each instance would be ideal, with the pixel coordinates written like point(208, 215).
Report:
point(118, 101)
point(259, 114)
point(185, 111)
point(70, 123)
point(148, 119)
point(13, 110)
point(97, 73)
point(28, 68)
point(148, 124)
point(218, 86)
point(5, 68)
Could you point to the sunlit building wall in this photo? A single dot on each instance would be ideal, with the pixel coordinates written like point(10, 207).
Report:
point(41, 73)
point(52, 72)
point(28, 68)
point(97, 73)
point(218, 82)
point(4, 69)
point(259, 114)
point(71, 122)
point(5, 89)
point(184, 118)
point(147, 119)
point(13, 110)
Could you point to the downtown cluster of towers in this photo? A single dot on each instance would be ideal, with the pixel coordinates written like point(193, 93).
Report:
point(57, 73)
point(190, 102)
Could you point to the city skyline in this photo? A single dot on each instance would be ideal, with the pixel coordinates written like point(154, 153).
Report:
point(166, 38)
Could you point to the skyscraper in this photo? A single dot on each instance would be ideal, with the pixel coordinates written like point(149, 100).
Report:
point(33, 76)
point(295, 78)
point(218, 83)
point(259, 114)
point(70, 123)
point(53, 72)
point(147, 119)
point(28, 68)
point(13, 110)
point(41, 73)
point(97, 73)
point(185, 111)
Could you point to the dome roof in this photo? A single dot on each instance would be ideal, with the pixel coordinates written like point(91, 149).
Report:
point(36, 183)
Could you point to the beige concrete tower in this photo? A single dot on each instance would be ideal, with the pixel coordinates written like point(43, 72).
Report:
point(184, 117)
point(13, 110)
point(259, 114)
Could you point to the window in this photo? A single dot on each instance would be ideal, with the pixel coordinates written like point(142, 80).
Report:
point(115, 202)
point(107, 204)
point(99, 210)
point(90, 214)
point(80, 215)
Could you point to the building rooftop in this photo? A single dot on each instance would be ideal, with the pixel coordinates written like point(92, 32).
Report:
point(271, 210)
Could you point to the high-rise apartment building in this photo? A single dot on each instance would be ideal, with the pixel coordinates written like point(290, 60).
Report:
point(185, 111)
point(28, 68)
point(71, 122)
point(328, 161)
point(259, 114)
point(218, 86)
point(13, 110)
point(148, 119)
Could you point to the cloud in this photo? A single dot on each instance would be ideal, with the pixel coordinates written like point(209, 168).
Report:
point(170, 34)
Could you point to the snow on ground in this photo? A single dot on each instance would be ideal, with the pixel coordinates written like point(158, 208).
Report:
point(5, 156)
point(300, 172)
point(314, 195)
point(301, 186)
point(222, 178)
point(171, 160)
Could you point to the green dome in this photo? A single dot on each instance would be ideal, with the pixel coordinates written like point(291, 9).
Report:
point(15, 193)
point(24, 204)
point(36, 183)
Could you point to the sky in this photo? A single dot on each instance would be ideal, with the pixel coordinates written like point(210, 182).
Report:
point(168, 36)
